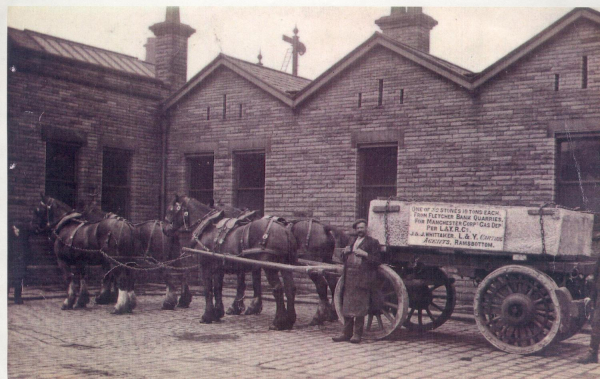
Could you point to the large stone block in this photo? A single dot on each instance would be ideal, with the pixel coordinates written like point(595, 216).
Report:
point(507, 229)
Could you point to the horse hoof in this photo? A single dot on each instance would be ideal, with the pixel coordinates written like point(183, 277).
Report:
point(168, 307)
point(102, 300)
point(207, 318)
point(253, 310)
point(315, 322)
point(79, 306)
point(121, 311)
point(234, 311)
point(66, 307)
point(184, 301)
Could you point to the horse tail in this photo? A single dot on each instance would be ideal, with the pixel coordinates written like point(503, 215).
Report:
point(341, 239)
point(292, 245)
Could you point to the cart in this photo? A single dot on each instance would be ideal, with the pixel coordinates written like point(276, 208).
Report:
point(530, 265)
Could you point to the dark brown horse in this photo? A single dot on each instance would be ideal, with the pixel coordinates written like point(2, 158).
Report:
point(157, 244)
point(80, 243)
point(316, 242)
point(261, 239)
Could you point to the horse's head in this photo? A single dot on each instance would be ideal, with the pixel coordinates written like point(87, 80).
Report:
point(185, 211)
point(48, 212)
point(177, 214)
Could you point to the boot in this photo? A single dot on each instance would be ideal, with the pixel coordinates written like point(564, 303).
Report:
point(18, 292)
point(592, 354)
point(358, 329)
point(590, 357)
point(346, 332)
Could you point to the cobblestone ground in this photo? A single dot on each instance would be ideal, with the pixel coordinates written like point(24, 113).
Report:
point(45, 342)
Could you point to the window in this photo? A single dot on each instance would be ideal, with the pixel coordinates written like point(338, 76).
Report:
point(61, 182)
point(250, 180)
point(201, 171)
point(578, 181)
point(115, 181)
point(378, 166)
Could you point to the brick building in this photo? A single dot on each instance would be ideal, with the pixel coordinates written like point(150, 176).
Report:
point(387, 119)
point(391, 119)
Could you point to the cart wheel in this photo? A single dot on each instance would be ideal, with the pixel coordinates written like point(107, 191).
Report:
point(517, 310)
point(389, 304)
point(570, 324)
point(432, 298)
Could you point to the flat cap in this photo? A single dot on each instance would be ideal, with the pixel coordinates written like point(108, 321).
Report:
point(359, 221)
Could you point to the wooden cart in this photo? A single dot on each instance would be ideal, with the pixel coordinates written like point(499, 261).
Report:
point(530, 265)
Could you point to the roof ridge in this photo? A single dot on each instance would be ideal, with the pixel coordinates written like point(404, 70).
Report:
point(28, 31)
point(424, 53)
point(264, 67)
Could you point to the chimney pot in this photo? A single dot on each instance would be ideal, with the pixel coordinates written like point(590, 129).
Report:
point(170, 49)
point(408, 25)
point(151, 50)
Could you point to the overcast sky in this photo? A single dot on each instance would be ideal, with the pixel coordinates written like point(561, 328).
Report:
point(471, 37)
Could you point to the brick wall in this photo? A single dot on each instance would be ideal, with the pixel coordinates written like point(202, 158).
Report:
point(109, 108)
point(492, 146)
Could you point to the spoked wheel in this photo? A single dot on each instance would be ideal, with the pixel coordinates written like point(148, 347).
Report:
point(570, 324)
point(432, 298)
point(389, 304)
point(517, 310)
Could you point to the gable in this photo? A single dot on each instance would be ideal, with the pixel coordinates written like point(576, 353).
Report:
point(385, 69)
point(278, 84)
point(225, 87)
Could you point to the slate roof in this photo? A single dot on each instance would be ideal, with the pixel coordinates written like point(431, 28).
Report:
point(45, 43)
point(281, 85)
point(278, 79)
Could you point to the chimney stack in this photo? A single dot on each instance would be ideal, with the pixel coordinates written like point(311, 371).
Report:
point(408, 25)
point(151, 50)
point(171, 49)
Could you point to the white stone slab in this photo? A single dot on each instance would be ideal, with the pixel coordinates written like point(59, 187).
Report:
point(490, 228)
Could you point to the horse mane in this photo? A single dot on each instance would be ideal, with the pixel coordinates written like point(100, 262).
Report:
point(95, 214)
point(342, 239)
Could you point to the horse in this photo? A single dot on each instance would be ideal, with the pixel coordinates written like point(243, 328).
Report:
point(80, 243)
point(156, 242)
point(316, 241)
point(262, 239)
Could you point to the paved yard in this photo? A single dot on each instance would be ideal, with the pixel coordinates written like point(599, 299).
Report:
point(45, 342)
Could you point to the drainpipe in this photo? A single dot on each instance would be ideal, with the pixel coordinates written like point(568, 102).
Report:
point(164, 128)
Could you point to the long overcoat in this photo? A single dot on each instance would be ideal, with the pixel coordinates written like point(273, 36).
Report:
point(18, 252)
point(360, 277)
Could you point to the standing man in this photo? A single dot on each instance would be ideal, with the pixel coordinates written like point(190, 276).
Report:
point(18, 257)
point(361, 260)
point(592, 355)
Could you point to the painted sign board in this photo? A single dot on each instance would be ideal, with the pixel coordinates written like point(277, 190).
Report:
point(457, 226)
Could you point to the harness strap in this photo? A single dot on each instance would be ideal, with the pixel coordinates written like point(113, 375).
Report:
point(75, 232)
point(310, 223)
point(150, 239)
point(228, 225)
point(244, 244)
point(265, 237)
